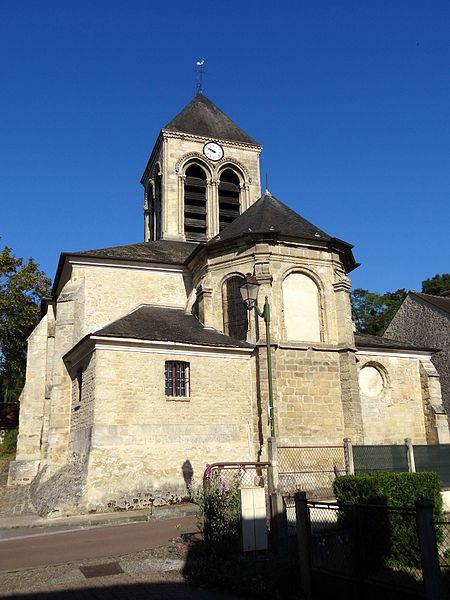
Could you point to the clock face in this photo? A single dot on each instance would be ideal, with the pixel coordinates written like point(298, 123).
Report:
point(213, 151)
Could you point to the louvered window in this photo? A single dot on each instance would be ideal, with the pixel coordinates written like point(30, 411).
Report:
point(157, 209)
point(195, 204)
point(177, 378)
point(229, 194)
point(235, 321)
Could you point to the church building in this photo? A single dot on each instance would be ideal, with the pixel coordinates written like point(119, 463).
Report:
point(146, 363)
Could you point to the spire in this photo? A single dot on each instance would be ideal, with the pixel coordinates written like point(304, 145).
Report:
point(202, 117)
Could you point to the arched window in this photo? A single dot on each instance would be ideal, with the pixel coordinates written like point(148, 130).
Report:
point(157, 209)
point(302, 314)
point(229, 193)
point(195, 204)
point(150, 212)
point(235, 322)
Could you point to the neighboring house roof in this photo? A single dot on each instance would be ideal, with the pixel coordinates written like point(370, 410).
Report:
point(269, 215)
point(441, 302)
point(166, 324)
point(364, 340)
point(202, 117)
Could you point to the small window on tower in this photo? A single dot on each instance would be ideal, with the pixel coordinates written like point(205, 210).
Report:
point(177, 379)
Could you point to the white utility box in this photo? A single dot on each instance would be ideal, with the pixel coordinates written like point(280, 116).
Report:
point(253, 519)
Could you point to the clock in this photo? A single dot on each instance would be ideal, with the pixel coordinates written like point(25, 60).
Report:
point(213, 151)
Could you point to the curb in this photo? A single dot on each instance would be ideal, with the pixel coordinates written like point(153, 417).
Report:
point(32, 522)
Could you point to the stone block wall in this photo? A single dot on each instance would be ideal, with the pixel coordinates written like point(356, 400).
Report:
point(112, 292)
point(394, 410)
point(142, 441)
point(417, 322)
point(308, 397)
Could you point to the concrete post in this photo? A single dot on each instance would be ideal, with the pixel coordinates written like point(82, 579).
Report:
point(272, 471)
point(428, 550)
point(348, 454)
point(303, 541)
point(410, 455)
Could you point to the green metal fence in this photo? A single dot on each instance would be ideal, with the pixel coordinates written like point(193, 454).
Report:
point(434, 458)
point(380, 458)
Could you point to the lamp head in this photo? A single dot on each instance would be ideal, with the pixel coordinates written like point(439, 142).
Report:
point(249, 290)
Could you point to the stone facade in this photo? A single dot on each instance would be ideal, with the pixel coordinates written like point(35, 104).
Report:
point(99, 429)
point(421, 322)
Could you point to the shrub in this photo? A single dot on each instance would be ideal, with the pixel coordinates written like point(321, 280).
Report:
point(386, 537)
point(9, 442)
point(220, 508)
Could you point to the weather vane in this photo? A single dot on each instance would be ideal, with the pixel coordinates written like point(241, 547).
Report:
point(199, 76)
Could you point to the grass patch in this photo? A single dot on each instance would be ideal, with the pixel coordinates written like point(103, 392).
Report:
point(8, 448)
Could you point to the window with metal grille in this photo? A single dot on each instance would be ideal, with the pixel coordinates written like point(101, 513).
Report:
point(177, 378)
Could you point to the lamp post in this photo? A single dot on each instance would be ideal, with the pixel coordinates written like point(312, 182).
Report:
point(249, 292)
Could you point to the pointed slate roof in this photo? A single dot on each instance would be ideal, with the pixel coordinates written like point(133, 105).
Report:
point(202, 117)
point(269, 216)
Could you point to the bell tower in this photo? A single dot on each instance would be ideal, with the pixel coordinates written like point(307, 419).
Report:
point(203, 172)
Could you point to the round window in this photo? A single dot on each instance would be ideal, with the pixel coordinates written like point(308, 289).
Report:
point(371, 381)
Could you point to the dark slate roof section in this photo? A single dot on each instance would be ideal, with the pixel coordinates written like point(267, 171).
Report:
point(158, 251)
point(165, 324)
point(202, 117)
point(441, 302)
point(270, 216)
point(168, 252)
point(364, 340)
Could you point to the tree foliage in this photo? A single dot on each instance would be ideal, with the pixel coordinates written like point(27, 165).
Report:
point(437, 284)
point(373, 312)
point(22, 286)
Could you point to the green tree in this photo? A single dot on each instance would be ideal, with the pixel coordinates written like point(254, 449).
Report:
point(372, 312)
point(437, 284)
point(22, 286)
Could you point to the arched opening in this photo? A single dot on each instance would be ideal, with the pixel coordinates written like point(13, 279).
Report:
point(235, 323)
point(195, 204)
point(302, 313)
point(157, 208)
point(150, 212)
point(229, 198)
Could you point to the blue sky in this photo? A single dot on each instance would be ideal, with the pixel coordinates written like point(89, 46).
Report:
point(350, 100)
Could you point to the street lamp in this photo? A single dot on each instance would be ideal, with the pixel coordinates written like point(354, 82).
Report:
point(249, 292)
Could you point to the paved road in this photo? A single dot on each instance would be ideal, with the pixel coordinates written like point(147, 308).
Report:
point(65, 547)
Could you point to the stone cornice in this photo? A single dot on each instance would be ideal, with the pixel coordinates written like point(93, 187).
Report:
point(167, 133)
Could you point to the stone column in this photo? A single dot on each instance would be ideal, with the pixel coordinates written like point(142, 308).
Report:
point(205, 308)
point(244, 197)
point(180, 195)
point(212, 207)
